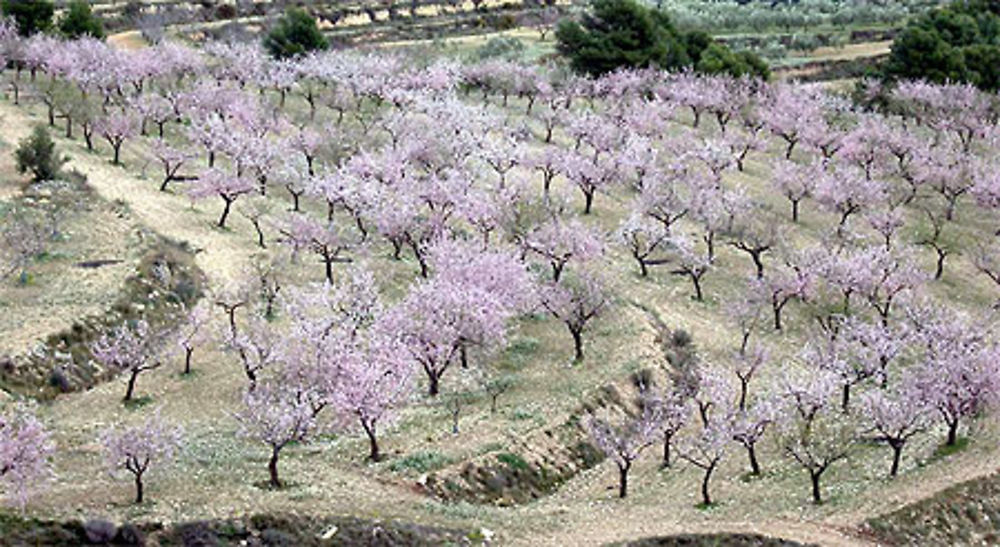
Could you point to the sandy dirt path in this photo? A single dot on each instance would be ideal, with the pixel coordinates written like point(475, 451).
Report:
point(222, 253)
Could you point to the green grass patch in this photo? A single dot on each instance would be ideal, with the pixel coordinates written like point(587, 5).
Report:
point(944, 450)
point(513, 461)
point(138, 402)
point(420, 462)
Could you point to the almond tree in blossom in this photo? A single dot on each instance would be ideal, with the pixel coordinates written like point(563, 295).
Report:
point(216, 182)
point(894, 417)
point(796, 182)
point(137, 448)
point(590, 174)
point(435, 319)
point(116, 127)
point(673, 410)
point(884, 277)
point(157, 109)
point(846, 192)
point(129, 348)
point(792, 111)
point(258, 345)
point(958, 375)
point(375, 381)
point(812, 434)
point(561, 241)
point(327, 240)
point(576, 301)
point(645, 238)
point(755, 235)
point(172, 159)
point(26, 449)
point(193, 332)
point(749, 425)
point(623, 440)
point(277, 415)
point(745, 365)
point(747, 311)
point(689, 262)
point(707, 449)
point(887, 222)
point(788, 282)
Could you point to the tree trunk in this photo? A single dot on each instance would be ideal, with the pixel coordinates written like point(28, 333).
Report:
point(131, 385)
point(138, 487)
point(952, 432)
point(260, 234)
point(758, 263)
point(696, 279)
point(434, 383)
point(588, 197)
point(272, 467)
point(577, 344)
point(795, 211)
point(754, 464)
point(557, 268)
point(117, 150)
point(328, 263)
point(667, 438)
point(225, 212)
point(814, 476)
point(897, 452)
point(703, 413)
point(623, 479)
point(845, 398)
point(373, 452)
point(939, 271)
point(705, 498)
point(188, 350)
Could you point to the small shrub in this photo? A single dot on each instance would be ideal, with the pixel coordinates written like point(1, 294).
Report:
point(680, 338)
point(504, 47)
point(37, 155)
point(225, 11)
point(100, 532)
point(130, 534)
point(277, 538)
point(58, 380)
point(197, 533)
point(295, 34)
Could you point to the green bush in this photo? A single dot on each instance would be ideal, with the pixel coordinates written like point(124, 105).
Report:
point(625, 34)
point(957, 43)
point(37, 154)
point(718, 59)
point(504, 47)
point(294, 35)
point(80, 21)
point(31, 16)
